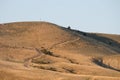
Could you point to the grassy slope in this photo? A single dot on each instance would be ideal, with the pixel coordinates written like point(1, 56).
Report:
point(73, 53)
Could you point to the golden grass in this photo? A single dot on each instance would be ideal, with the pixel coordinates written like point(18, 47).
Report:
point(68, 54)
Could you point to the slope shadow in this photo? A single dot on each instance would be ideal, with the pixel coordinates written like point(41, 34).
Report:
point(100, 63)
point(106, 40)
point(110, 42)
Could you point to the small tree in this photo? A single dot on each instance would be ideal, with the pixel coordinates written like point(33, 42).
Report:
point(84, 34)
point(69, 27)
point(45, 51)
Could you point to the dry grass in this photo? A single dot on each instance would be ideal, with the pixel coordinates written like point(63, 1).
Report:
point(67, 55)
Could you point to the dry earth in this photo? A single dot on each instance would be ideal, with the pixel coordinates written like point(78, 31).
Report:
point(46, 51)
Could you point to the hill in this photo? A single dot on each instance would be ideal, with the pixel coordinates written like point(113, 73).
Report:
point(46, 51)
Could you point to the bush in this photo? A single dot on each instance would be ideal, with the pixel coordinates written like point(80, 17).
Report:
point(41, 61)
point(69, 27)
point(84, 34)
point(110, 43)
point(69, 70)
point(52, 69)
point(48, 68)
point(47, 52)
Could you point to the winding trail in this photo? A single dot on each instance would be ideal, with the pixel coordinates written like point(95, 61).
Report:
point(64, 42)
point(27, 61)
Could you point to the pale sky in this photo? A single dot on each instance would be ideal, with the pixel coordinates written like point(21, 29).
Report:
point(101, 16)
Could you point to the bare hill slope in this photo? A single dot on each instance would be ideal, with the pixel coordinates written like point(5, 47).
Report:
point(46, 51)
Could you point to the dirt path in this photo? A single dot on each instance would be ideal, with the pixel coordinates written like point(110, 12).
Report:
point(27, 61)
point(64, 42)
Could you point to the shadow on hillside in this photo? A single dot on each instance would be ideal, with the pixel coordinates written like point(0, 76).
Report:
point(110, 42)
point(101, 39)
point(105, 40)
point(100, 63)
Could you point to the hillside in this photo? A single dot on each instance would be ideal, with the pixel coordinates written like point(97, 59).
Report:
point(46, 51)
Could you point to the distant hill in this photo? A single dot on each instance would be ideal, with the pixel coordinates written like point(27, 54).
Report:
point(47, 51)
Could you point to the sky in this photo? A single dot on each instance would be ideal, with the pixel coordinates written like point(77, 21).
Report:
point(101, 16)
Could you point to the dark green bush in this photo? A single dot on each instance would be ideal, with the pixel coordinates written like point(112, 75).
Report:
point(46, 52)
point(41, 61)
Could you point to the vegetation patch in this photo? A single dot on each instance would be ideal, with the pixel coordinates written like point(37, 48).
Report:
point(47, 52)
point(72, 61)
point(46, 68)
point(69, 70)
point(100, 62)
point(41, 61)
